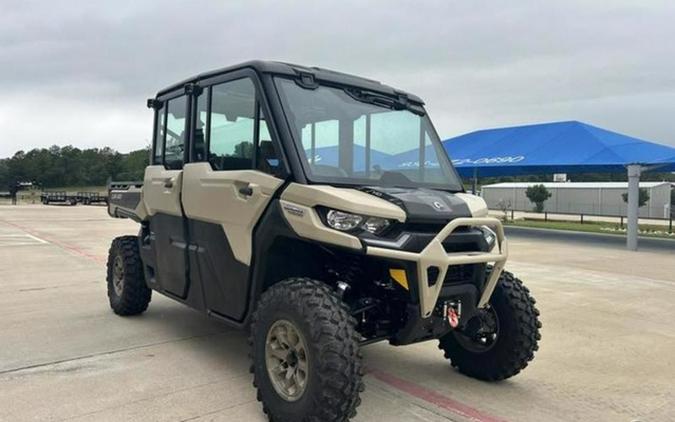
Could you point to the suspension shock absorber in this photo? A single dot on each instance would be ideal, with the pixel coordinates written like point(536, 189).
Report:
point(352, 268)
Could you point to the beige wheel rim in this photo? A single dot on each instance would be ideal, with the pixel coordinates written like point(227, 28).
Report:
point(118, 275)
point(286, 360)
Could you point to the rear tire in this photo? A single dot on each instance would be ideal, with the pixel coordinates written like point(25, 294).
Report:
point(127, 292)
point(330, 386)
point(516, 339)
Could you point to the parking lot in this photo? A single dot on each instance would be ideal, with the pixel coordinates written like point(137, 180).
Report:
point(606, 353)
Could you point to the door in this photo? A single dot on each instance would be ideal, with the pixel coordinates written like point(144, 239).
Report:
point(225, 194)
point(162, 187)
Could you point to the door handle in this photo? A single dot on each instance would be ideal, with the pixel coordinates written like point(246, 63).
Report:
point(246, 191)
point(168, 183)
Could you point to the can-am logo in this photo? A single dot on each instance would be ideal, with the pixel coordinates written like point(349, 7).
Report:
point(490, 160)
point(416, 164)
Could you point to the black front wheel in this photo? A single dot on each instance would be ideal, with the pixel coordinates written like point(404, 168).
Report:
point(501, 340)
point(127, 292)
point(305, 351)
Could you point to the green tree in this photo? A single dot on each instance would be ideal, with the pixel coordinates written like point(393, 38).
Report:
point(69, 166)
point(643, 197)
point(538, 194)
point(243, 150)
point(134, 164)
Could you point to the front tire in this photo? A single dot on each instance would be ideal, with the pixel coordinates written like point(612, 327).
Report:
point(303, 337)
point(127, 292)
point(507, 338)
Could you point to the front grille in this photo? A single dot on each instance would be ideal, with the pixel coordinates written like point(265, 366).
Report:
point(466, 240)
point(459, 273)
point(453, 245)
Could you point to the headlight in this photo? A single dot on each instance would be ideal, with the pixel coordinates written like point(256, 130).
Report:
point(376, 224)
point(489, 235)
point(345, 221)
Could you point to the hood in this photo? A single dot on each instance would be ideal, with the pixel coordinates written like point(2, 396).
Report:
point(423, 205)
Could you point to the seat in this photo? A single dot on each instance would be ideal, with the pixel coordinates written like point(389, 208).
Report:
point(268, 161)
point(200, 145)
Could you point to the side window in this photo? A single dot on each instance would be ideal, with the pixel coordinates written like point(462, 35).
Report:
point(159, 136)
point(231, 125)
point(174, 145)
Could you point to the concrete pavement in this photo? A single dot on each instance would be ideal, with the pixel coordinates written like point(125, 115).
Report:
point(606, 352)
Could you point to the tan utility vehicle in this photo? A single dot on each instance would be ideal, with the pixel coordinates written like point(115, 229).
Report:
point(320, 211)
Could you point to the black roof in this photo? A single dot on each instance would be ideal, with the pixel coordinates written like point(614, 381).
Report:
point(289, 69)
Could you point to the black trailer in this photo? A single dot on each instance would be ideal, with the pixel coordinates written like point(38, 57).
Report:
point(88, 198)
point(58, 197)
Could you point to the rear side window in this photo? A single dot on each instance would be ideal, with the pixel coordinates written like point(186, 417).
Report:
point(232, 125)
point(170, 134)
point(159, 136)
point(174, 145)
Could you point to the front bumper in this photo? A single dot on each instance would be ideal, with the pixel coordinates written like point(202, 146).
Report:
point(434, 255)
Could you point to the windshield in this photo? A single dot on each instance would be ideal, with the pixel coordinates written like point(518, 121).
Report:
point(365, 138)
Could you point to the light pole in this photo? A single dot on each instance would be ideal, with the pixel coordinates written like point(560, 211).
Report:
point(634, 171)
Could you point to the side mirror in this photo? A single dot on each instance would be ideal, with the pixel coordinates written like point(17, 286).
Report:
point(154, 103)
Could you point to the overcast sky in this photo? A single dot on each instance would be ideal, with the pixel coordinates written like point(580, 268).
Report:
point(79, 72)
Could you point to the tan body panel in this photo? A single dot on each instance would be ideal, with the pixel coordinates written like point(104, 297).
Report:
point(306, 223)
point(298, 202)
point(139, 213)
point(161, 190)
point(343, 199)
point(476, 204)
point(214, 197)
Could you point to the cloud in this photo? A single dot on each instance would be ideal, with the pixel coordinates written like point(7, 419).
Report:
point(80, 72)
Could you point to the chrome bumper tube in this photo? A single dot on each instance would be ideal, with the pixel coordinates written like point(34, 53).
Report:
point(434, 255)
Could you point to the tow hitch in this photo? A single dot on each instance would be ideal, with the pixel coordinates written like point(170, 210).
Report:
point(452, 312)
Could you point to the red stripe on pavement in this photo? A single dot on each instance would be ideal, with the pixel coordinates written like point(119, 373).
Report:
point(63, 245)
point(433, 397)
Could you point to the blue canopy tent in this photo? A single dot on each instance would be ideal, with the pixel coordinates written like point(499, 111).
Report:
point(330, 156)
point(560, 147)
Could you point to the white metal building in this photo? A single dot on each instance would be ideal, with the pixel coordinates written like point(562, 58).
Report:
point(592, 198)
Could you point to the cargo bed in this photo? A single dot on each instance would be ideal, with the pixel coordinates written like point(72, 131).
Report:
point(125, 200)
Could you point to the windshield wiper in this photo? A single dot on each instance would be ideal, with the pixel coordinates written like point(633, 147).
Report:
point(395, 103)
point(394, 178)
